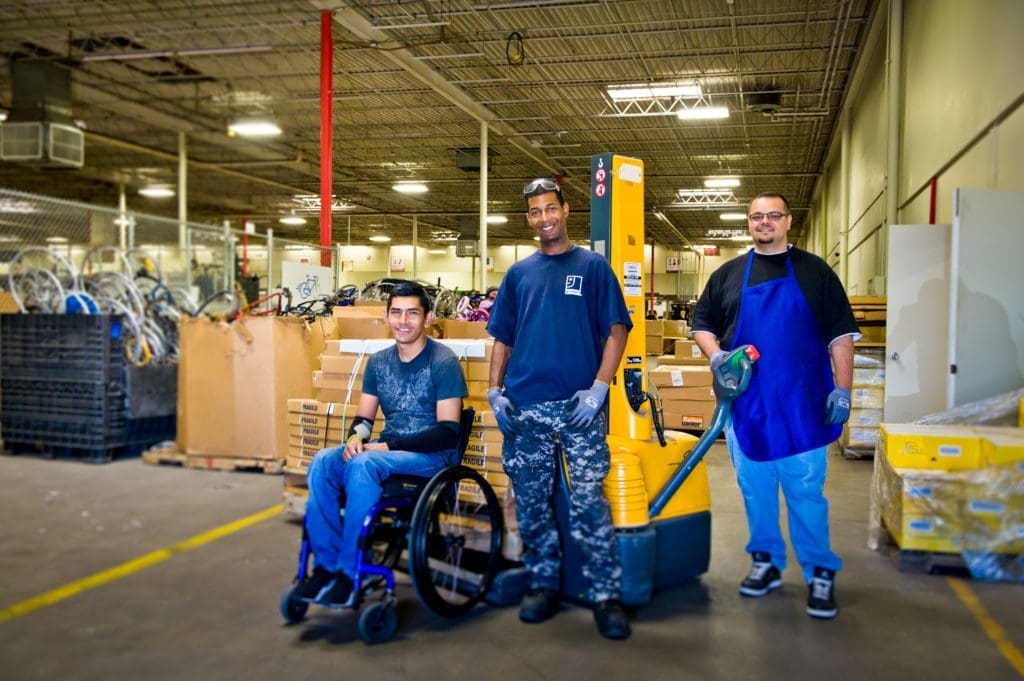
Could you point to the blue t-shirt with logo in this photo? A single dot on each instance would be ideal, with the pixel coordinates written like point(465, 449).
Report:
point(555, 312)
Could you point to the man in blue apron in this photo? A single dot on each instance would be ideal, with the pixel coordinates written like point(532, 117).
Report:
point(791, 306)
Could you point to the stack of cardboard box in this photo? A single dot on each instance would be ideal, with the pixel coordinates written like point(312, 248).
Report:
point(687, 397)
point(866, 401)
point(952, 488)
point(483, 454)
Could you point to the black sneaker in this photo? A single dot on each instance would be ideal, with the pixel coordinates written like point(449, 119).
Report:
point(763, 576)
point(310, 588)
point(611, 619)
point(339, 593)
point(538, 605)
point(821, 599)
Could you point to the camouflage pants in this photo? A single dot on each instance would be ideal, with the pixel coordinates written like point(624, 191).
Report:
point(529, 459)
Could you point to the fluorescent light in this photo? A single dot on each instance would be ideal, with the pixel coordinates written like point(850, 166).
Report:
point(720, 182)
point(437, 251)
point(292, 220)
point(188, 52)
point(741, 238)
point(56, 240)
point(702, 113)
point(254, 128)
point(158, 191)
point(3, 116)
point(496, 219)
point(732, 217)
point(380, 238)
point(410, 187)
point(620, 93)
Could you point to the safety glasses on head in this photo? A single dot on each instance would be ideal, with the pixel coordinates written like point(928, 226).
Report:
point(541, 184)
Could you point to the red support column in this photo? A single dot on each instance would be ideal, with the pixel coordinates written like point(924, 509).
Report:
point(326, 133)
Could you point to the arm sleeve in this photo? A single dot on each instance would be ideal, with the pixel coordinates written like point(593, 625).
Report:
point(440, 437)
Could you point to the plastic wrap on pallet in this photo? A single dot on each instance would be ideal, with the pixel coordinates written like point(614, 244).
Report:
point(1001, 410)
point(977, 513)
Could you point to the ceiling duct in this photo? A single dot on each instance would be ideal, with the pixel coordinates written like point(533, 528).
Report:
point(39, 130)
point(764, 101)
point(469, 226)
point(468, 159)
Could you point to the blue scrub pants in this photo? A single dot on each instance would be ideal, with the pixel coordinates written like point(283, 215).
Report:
point(802, 478)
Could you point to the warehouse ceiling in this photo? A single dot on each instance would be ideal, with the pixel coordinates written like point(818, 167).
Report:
point(414, 82)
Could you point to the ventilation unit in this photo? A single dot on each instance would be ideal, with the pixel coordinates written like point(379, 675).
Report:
point(39, 129)
point(466, 248)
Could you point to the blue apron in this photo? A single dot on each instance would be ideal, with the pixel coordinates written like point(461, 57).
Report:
point(782, 413)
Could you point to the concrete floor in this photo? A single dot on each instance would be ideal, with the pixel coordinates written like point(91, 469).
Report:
point(210, 611)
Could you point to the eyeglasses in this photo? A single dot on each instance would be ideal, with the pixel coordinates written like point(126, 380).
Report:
point(774, 216)
point(542, 183)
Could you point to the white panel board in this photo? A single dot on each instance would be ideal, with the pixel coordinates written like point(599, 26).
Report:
point(917, 324)
point(986, 332)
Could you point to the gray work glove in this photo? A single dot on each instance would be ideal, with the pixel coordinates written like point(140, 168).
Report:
point(505, 412)
point(837, 406)
point(588, 403)
point(717, 357)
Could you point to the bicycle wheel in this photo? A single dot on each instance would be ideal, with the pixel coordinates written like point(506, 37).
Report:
point(455, 541)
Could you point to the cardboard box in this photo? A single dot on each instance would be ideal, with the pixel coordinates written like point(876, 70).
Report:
point(868, 377)
point(1000, 446)
point(457, 328)
point(348, 363)
point(690, 415)
point(859, 437)
point(674, 328)
point(936, 447)
point(476, 370)
point(681, 376)
point(654, 345)
point(696, 393)
point(345, 382)
point(234, 383)
point(363, 327)
point(479, 434)
point(867, 398)
point(687, 349)
point(923, 532)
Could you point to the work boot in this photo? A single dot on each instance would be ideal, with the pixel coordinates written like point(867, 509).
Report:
point(611, 619)
point(763, 576)
point(538, 605)
point(821, 599)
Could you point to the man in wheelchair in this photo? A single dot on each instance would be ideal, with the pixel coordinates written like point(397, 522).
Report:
point(419, 386)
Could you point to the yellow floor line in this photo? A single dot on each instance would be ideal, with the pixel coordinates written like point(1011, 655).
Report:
point(134, 565)
point(991, 628)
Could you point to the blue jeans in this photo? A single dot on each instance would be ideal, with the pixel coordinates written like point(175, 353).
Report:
point(802, 478)
point(333, 539)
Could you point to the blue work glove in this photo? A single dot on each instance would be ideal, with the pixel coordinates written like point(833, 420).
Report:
point(717, 358)
point(588, 402)
point(504, 411)
point(837, 406)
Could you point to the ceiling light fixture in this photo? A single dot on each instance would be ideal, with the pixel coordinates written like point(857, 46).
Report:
point(732, 217)
point(380, 238)
point(703, 113)
point(721, 182)
point(410, 187)
point(254, 127)
point(620, 93)
point(437, 251)
point(157, 191)
point(292, 220)
point(496, 219)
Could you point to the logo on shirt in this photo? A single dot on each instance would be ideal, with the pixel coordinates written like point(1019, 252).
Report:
point(573, 285)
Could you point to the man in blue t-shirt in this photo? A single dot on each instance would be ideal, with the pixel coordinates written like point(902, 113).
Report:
point(560, 325)
point(418, 385)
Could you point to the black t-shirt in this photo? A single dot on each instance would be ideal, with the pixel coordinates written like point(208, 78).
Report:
point(719, 304)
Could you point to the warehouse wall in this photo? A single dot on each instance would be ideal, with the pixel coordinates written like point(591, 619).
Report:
point(959, 120)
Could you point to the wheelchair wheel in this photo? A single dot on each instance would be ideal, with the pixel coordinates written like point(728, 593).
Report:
point(455, 541)
point(293, 609)
point(378, 622)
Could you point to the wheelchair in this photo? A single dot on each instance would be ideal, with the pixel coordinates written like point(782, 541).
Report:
point(445, 531)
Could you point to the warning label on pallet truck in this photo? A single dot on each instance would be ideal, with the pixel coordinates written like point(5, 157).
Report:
point(632, 279)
